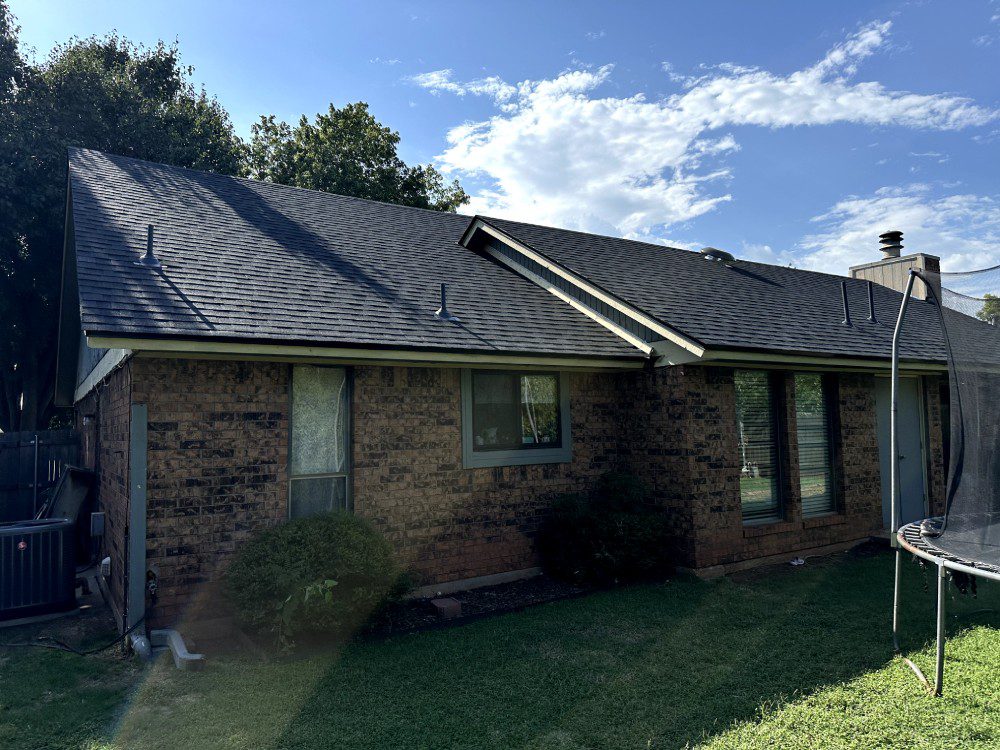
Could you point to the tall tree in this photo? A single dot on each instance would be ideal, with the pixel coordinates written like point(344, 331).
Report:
point(103, 93)
point(347, 151)
point(990, 311)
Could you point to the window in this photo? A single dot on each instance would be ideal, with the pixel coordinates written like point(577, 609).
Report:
point(757, 423)
point(319, 459)
point(814, 427)
point(513, 418)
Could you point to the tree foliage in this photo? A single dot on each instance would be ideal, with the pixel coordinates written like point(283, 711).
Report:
point(347, 151)
point(103, 93)
point(109, 94)
point(990, 311)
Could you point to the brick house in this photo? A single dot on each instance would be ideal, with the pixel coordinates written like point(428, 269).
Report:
point(289, 357)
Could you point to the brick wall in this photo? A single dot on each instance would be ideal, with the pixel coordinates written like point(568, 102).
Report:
point(217, 456)
point(105, 444)
point(451, 523)
point(217, 453)
point(935, 442)
point(689, 456)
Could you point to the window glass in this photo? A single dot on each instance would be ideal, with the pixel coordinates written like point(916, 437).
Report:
point(758, 446)
point(812, 422)
point(513, 411)
point(312, 496)
point(318, 451)
point(319, 409)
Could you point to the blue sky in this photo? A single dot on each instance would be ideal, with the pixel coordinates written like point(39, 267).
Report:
point(787, 132)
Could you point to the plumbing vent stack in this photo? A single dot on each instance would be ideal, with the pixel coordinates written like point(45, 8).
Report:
point(149, 259)
point(871, 302)
point(442, 312)
point(847, 308)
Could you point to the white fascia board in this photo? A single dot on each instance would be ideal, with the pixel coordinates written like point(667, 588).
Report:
point(630, 337)
point(208, 349)
point(107, 364)
point(786, 361)
point(633, 312)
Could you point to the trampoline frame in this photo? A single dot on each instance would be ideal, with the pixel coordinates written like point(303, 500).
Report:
point(908, 537)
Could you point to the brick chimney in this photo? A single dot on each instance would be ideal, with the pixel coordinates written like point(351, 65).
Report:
point(893, 269)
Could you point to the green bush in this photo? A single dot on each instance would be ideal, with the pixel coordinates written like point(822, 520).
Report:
point(612, 535)
point(320, 576)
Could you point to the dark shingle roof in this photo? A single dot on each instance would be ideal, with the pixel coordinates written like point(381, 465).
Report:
point(253, 260)
point(741, 305)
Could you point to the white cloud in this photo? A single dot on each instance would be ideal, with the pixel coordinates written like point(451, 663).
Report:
point(385, 61)
point(963, 229)
point(438, 81)
point(595, 35)
point(558, 152)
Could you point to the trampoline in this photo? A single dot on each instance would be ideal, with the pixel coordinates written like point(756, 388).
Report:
point(966, 540)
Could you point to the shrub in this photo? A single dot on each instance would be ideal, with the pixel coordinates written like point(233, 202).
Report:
point(612, 535)
point(320, 576)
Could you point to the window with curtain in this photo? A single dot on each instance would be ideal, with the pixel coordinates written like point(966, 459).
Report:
point(759, 454)
point(514, 417)
point(318, 460)
point(813, 425)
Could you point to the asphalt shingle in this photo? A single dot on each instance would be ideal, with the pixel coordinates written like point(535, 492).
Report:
point(740, 305)
point(252, 260)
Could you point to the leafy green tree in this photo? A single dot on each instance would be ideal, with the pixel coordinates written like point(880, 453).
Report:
point(103, 93)
point(347, 151)
point(990, 311)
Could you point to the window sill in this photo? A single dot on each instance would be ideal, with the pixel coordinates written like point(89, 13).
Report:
point(827, 519)
point(491, 459)
point(763, 528)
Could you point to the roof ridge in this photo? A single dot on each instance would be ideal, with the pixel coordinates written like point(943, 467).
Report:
point(268, 183)
point(656, 246)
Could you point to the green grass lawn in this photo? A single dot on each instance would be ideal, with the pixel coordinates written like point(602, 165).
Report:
point(791, 658)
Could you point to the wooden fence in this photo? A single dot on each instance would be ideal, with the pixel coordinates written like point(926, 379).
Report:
point(30, 464)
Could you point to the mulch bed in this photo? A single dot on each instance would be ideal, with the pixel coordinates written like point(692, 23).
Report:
point(419, 614)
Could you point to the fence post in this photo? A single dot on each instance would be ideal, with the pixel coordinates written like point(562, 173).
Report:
point(34, 482)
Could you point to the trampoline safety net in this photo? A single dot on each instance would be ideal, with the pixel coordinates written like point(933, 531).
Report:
point(969, 308)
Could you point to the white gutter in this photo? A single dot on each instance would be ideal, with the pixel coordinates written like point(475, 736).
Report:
point(209, 349)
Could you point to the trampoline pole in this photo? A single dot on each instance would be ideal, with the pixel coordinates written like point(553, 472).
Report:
point(894, 457)
point(895, 600)
point(939, 671)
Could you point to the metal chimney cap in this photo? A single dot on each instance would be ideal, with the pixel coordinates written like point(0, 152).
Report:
point(891, 242)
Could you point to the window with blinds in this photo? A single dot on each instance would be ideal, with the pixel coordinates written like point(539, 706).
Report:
point(757, 426)
point(813, 424)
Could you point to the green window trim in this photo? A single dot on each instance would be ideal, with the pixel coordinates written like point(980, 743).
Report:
point(472, 458)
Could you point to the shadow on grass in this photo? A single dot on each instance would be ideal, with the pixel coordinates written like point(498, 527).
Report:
point(656, 666)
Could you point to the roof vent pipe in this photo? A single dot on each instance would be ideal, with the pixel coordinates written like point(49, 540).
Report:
point(871, 302)
point(892, 243)
point(443, 312)
point(149, 260)
point(847, 308)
